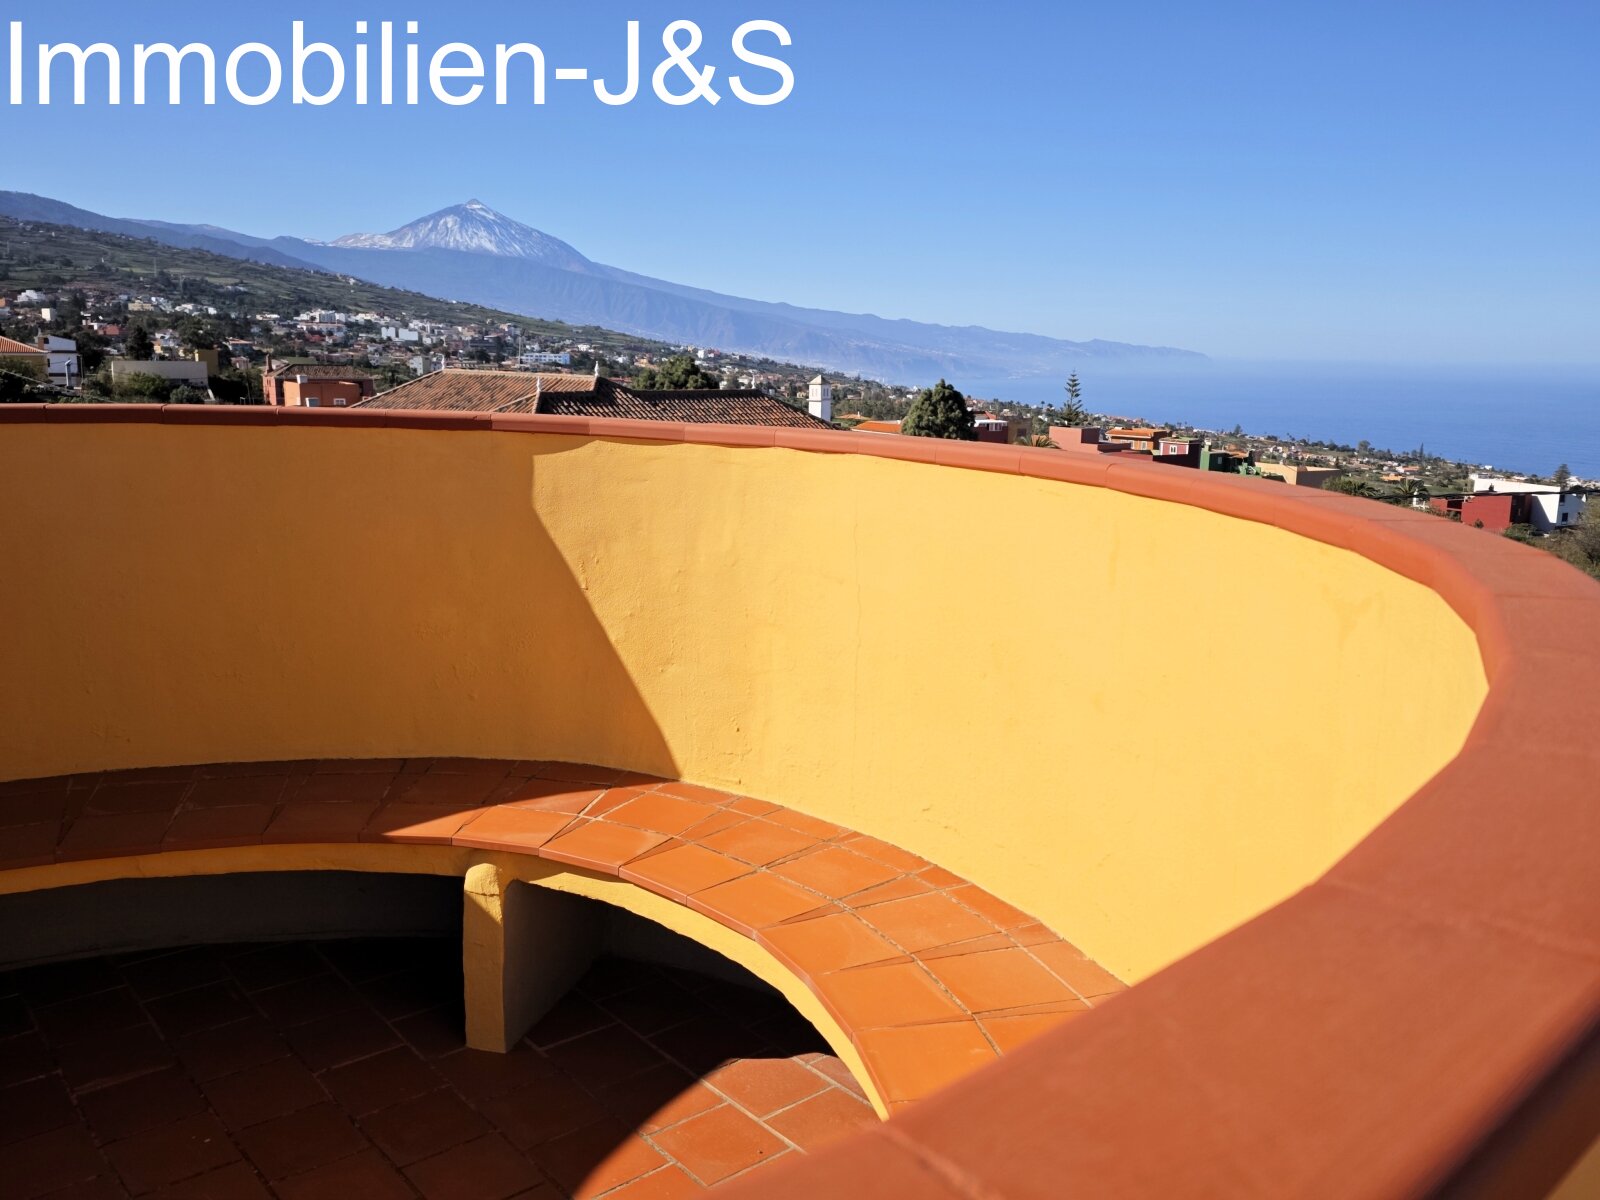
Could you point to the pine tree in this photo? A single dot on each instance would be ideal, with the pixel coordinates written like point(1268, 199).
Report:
point(939, 412)
point(1563, 477)
point(1073, 411)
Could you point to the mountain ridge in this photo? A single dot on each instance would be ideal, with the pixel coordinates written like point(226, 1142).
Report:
point(472, 253)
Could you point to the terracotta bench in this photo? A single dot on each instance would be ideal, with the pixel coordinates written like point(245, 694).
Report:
point(929, 976)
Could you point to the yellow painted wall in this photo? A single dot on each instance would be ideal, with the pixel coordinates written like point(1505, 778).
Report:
point(955, 661)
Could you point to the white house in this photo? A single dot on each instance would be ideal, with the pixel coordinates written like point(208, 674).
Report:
point(66, 368)
point(1549, 508)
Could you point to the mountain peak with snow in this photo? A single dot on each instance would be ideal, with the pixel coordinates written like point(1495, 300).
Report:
point(474, 228)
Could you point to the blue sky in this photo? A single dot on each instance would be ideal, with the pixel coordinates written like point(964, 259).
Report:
point(1398, 181)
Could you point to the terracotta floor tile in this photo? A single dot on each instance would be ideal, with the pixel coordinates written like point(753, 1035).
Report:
point(308, 824)
point(486, 1169)
point(574, 772)
point(922, 922)
point(573, 1016)
point(114, 836)
point(122, 797)
point(200, 1008)
point(105, 1060)
point(218, 1052)
point(420, 1128)
point(434, 1033)
point(301, 1141)
point(30, 845)
point(144, 1102)
point(597, 1159)
point(720, 1143)
point(695, 792)
point(834, 871)
point(1011, 1033)
point(479, 1076)
point(513, 829)
point(341, 1038)
point(669, 1183)
point(84, 1017)
point(681, 872)
point(546, 795)
point(661, 813)
point(751, 807)
point(250, 791)
point(364, 1176)
point(417, 824)
point(885, 852)
point(813, 827)
point(33, 1107)
point(602, 847)
point(762, 1086)
point(1088, 979)
point(37, 808)
point(881, 996)
point(413, 991)
point(236, 1181)
point(274, 965)
point(381, 1080)
point(604, 1058)
point(172, 1152)
point(999, 979)
point(49, 1161)
point(759, 842)
point(915, 1061)
point(824, 1118)
point(533, 1116)
point(754, 902)
point(832, 943)
point(1004, 916)
point(978, 945)
point(360, 789)
point(658, 1098)
point(358, 766)
point(273, 1089)
point(177, 971)
point(307, 999)
point(720, 820)
point(446, 791)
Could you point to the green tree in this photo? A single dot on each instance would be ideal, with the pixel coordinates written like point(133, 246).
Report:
point(939, 412)
point(1563, 477)
point(1350, 485)
point(678, 374)
point(1072, 410)
point(140, 347)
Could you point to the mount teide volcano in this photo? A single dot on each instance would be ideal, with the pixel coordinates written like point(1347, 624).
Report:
point(470, 252)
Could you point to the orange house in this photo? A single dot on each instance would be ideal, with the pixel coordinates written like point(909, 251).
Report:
point(315, 385)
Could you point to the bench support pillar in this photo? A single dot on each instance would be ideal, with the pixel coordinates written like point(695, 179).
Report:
point(523, 947)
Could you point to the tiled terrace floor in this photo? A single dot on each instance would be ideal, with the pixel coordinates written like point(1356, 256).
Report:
point(337, 1070)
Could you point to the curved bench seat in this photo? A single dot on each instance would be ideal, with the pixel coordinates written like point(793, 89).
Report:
point(930, 976)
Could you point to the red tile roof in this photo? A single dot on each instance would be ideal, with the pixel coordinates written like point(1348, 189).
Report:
point(586, 396)
point(11, 348)
point(696, 408)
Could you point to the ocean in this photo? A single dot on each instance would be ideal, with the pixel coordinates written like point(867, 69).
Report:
point(1523, 419)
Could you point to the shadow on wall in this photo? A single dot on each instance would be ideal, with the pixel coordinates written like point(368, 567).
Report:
point(320, 595)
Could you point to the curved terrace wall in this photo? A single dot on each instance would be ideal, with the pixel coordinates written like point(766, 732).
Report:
point(1143, 721)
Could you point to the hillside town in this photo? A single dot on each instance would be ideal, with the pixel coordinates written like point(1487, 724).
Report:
point(88, 344)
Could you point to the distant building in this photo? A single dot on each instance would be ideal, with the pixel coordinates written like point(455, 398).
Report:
point(1494, 512)
point(315, 385)
point(65, 367)
point(586, 396)
point(1311, 477)
point(22, 359)
point(181, 374)
point(1084, 439)
point(821, 400)
point(1138, 439)
point(1548, 508)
